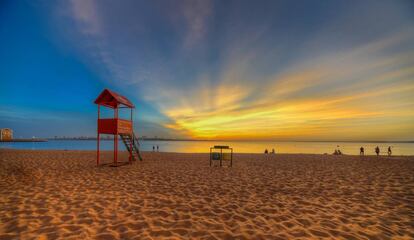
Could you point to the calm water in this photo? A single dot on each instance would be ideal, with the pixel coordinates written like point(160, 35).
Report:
point(238, 146)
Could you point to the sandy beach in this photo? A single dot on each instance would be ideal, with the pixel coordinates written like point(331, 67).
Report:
point(62, 194)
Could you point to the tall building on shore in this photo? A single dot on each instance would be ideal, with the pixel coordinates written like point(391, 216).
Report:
point(6, 134)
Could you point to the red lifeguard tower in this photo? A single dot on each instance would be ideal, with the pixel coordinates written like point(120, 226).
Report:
point(115, 126)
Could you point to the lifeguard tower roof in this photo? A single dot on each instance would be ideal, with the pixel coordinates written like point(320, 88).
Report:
point(112, 99)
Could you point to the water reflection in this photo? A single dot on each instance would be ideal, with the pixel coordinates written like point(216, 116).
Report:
point(238, 146)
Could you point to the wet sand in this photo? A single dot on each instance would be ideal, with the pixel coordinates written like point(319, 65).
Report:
point(62, 194)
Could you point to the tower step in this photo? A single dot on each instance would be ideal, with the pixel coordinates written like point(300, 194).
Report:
point(129, 140)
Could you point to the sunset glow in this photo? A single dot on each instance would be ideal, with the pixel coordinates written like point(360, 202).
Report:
point(323, 101)
point(211, 69)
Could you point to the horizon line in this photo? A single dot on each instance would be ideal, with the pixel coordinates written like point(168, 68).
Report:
point(238, 140)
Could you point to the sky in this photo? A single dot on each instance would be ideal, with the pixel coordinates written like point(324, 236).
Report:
point(200, 69)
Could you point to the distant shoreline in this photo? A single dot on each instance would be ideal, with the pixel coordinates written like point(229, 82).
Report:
point(191, 140)
point(26, 140)
point(217, 140)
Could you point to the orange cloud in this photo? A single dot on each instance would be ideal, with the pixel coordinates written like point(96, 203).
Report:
point(347, 95)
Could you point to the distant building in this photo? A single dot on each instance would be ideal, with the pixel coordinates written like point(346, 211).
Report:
point(6, 134)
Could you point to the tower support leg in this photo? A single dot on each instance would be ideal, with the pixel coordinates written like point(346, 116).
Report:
point(116, 149)
point(97, 151)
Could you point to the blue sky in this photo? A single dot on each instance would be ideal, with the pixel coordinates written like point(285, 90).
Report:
point(311, 70)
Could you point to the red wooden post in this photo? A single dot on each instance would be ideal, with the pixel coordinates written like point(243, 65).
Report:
point(132, 138)
point(97, 157)
point(116, 137)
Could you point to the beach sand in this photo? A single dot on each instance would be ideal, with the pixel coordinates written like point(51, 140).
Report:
point(62, 194)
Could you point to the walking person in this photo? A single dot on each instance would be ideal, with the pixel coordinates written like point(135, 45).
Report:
point(153, 148)
point(389, 151)
point(361, 151)
point(158, 148)
point(377, 151)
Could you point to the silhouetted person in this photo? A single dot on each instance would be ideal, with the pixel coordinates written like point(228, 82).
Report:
point(158, 148)
point(266, 152)
point(337, 151)
point(389, 151)
point(377, 151)
point(361, 151)
point(273, 151)
point(153, 148)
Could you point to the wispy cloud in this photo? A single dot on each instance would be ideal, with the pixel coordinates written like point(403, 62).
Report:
point(86, 14)
point(306, 100)
point(13, 113)
point(196, 14)
point(240, 74)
